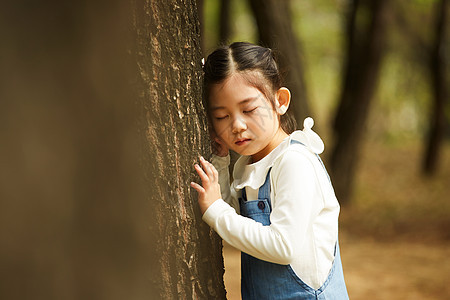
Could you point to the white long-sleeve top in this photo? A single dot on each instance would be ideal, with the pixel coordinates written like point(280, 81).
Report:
point(304, 218)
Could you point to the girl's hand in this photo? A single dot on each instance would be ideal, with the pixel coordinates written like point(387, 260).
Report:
point(218, 147)
point(209, 191)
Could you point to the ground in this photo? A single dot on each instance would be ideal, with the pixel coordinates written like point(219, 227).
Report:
point(402, 270)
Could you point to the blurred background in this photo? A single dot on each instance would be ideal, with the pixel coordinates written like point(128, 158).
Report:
point(374, 75)
point(91, 210)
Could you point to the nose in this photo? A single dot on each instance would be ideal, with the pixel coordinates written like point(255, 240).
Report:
point(238, 125)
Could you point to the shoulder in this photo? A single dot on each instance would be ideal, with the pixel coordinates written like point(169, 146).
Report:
point(297, 161)
point(296, 155)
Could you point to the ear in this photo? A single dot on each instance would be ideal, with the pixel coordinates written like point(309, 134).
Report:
point(283, 99)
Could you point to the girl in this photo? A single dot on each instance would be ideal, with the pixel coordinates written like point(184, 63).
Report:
point(280, 210)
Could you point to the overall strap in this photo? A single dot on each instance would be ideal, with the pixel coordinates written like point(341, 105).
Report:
point(264, 190)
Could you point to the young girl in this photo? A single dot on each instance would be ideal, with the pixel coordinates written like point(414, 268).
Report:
point(280, 210)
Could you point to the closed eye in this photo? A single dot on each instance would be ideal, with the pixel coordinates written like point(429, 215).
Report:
point(221, 118)
point(250, 110)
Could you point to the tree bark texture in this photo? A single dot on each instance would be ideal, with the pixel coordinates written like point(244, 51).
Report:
point(275, 31)
point(439, 82)
point(365, 44)
point(169, 61)
point(100, 123)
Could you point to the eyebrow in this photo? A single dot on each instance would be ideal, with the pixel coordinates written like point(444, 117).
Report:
point(240, 103)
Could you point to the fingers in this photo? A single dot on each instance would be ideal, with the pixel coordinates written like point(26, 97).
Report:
point(203, 176)
point(209, 168)
point(209, 190)
point(207, 172)
point(198, 188)
point(215, 174)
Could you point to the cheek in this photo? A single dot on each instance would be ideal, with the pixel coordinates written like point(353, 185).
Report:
point(263, 122)
point(220, 128)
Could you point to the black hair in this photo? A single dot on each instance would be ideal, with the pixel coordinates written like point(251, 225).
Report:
point(258, 66)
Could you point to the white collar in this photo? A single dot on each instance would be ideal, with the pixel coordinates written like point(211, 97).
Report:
point(253, 175)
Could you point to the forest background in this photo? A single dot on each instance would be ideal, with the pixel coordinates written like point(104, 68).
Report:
point(395, 223)
point(100, 124)
point(401, 112)
point(398, 213)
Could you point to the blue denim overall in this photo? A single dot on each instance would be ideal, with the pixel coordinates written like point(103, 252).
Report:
point(265, 280)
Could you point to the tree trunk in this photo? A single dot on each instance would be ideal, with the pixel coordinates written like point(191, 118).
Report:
point(365, 44)
point(174, 124)
point(438, 66)
point(95, 170)
point(275, 31)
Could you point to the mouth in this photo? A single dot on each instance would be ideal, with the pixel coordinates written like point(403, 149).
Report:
point(241, 142)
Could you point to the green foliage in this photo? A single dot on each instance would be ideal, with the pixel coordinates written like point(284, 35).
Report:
point(211, 23)
point(318, 25)
point(403, 98)
point(243, 26)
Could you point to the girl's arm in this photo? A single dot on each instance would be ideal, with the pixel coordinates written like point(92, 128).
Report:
point(297, 200)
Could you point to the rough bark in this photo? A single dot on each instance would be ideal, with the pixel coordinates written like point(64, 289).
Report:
point(275, 31)
point(439, 82)
point(169, 61)
point(365, 44)
point(95, 170)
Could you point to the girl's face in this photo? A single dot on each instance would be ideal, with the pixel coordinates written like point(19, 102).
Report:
point(244, 119)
